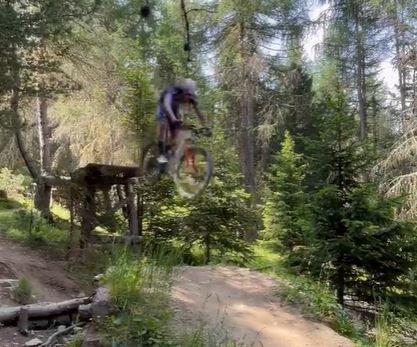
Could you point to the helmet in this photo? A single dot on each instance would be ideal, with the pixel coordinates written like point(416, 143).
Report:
point(189, 86)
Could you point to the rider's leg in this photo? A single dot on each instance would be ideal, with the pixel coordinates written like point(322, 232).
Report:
point(172, 135)
point(162, 132)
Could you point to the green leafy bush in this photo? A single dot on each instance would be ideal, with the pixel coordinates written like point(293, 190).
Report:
point(22, 222)
point(10, 182)
point(22, 293)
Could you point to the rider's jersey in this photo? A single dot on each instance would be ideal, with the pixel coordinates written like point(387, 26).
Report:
point(177, 95)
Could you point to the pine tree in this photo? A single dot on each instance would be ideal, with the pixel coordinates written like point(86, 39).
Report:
point(358, 243)
point(219, 218)
point(285, 214)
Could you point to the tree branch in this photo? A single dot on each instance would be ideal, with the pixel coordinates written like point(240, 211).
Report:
point(51, 338)
point(187, 30)
point(200, 9)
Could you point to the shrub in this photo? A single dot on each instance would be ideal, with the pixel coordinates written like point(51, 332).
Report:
point(22, 293)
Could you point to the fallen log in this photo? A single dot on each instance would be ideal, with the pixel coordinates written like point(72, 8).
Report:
point(10, 315)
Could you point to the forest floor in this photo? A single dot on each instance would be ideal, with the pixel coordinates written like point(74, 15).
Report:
point(241, 305)
point(232, 302)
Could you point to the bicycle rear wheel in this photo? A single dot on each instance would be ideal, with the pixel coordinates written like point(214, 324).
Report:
point(193, 172)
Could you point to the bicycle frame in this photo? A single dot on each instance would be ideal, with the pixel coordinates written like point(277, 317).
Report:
point(183, 141)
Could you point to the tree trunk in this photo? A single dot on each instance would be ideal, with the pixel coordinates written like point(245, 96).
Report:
point(208, 247)
point(246, 122)
point(247, 118)
point(340, 284)
point(360, 78)
point(44, 135)
point(375, 124)
point(42, 199)
point(247, 144)
point(401, 69)
point(399, 50)
point(414, 96)
point(43, 190)
point(16, 122)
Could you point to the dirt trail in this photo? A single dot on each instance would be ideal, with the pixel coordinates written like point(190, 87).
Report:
point(48, 278)
point(244, 303)
point(234, 302)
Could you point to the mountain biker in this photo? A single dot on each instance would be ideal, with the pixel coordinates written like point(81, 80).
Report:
point(168, 112)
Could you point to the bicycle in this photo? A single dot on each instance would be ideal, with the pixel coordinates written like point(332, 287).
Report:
point(189, 166)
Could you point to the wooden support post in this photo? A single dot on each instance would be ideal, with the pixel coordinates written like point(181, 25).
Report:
point(74, 246)
point(89, 214)
point(109, 217)
point(140, 211)
point(23, 323)
point(133, 214)
point(121, 198)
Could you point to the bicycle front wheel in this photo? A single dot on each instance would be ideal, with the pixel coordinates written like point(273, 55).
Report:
point(193, 172)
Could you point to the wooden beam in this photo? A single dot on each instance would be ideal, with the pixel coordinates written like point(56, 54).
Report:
point(57, 181)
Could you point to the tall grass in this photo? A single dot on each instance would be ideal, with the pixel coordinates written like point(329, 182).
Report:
point(139, 291)
point(383, 328)
point(395, 326)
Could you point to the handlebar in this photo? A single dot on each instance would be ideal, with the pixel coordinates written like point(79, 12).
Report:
point(203, 131)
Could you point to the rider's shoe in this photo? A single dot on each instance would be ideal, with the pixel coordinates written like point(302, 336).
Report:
point(162, 159)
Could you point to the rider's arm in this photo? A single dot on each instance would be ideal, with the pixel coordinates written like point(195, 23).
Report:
point(167, 102)
point(199, 114)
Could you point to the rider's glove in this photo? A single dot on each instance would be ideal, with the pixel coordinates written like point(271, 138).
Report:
point(176, 124)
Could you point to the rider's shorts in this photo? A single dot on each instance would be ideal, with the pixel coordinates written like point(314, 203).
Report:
point(161, 115)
